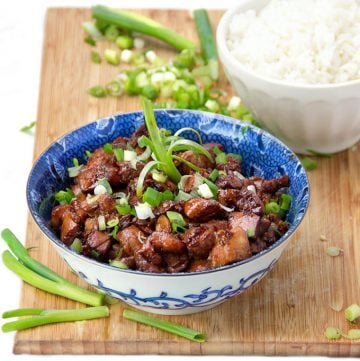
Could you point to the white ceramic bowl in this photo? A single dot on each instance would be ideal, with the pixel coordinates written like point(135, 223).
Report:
point(322, 118)
point(176, 293)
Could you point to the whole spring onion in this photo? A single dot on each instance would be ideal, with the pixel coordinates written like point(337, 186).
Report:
point(141, 24)
point(207, 41)
point(44, 317)
point(164, 325)
point(42, 277)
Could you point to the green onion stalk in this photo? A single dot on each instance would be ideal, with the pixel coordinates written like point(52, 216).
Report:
point(134, 22)
point(38, 275)
point(43, 317)
point(164, 325)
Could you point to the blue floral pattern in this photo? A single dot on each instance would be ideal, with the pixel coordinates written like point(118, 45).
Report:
point(204, 298)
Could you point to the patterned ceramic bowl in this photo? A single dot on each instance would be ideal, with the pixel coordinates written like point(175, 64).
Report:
point(178, 293)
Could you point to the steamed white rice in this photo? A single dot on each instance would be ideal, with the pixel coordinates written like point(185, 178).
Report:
point(300, 41)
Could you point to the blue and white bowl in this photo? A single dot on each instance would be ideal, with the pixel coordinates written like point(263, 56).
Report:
point(163, 293)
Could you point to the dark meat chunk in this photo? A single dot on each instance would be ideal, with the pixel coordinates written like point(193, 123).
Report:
point(79, 210)
point(262, 227)
point(175, 262)
point(199, 265)
point(148, 260)
point(166, 242)
point(232, 164)
point(234, 248)
point(106, 203)
point(168, 206)
point(99, 241)
point(129, 261)
point(89, 206)
point(115, 251)
point(88, 176)
point(57, 214)
point(100, 157)
point(273, 185)
point(91, 225)
point(137, 134)
point(120, 142)
point(130, 239)
point(163, 224)
point(244, 221)
point(201, 210)
point(125, 221)
point(229, 197)
point(147, 226)
point(249, 202)
point(77, 191)
point(229, 181)
point(257, 246)
point(199, 160)
point(217, 225)
point(70, 227)
point(127, 172)
point(199, 241)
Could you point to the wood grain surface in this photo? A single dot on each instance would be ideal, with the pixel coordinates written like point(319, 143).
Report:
point(285, 314)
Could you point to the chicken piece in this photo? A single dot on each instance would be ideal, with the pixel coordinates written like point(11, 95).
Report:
point(273, 185)
point(229, 181)
point(120, 142)
point(166, 242)
point(234, 248)
point(228, 197)
point(100, 157)
point(106, 203)
point(199, 241)
point(130, 239)
point(99, 241)
point(198, 265)
point(147, 260)
point(232, 164)
point(91, 225)
point(244, 221)
point(163, 224)
point(89, 176)
point(175, 262)
point(201, 210)
point(168, 206)
point(126, 172)
point(57, 214)
point(199, 160)
point(70, 227)
point(249, 202)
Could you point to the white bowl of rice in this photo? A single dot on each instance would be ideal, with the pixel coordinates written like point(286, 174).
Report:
point(296, 65)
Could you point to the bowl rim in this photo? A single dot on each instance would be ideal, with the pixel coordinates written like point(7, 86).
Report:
point(221, 33)
point(56, 241)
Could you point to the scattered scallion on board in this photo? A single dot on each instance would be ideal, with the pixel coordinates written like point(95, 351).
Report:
point(309, 163)
point(164, 325)
point(352, 312)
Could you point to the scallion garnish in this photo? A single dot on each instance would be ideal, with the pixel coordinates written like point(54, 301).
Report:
point(119, 154)
point(250, 232)
point(124, 42)
point(108, 148)
point(213, 175)
point(177, 221)
point(212, 186)
point(152, 197)
point(309, 163)
point(272, 207)
point(76, 245)
point(167, 195)
point(123, 209)
point(74, 171)
point(158, 176)
point(164, 325)
point(64, 197)
point(112, 223)
point(112, 56)
point(44, 317)
point(118, 264)
point(221, 158)
point(105, 183)
point(40, 276)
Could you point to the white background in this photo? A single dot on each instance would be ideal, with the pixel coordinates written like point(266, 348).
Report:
point(21, 33)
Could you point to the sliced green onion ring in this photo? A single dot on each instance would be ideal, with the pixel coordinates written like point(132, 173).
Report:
point(188, 129)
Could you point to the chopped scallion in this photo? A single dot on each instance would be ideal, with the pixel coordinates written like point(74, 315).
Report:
point(64, 197)
point(272, 207)
point(309, 163)
point(95, 57)
point(105, 183)
point(118, 264)
point(76, 245)
point(119, 154)
point(250, 232)
point(152, 196)
point(101, 223)
point(123, 209)
point(112, 56)
point(97, 91)
point(177, 221)
point(108, 148)
point(167, 195)
point(352, 312)
point(112, 223)
point(213, 175)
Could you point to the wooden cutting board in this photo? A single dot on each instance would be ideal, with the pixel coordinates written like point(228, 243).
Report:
point(285, 314)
